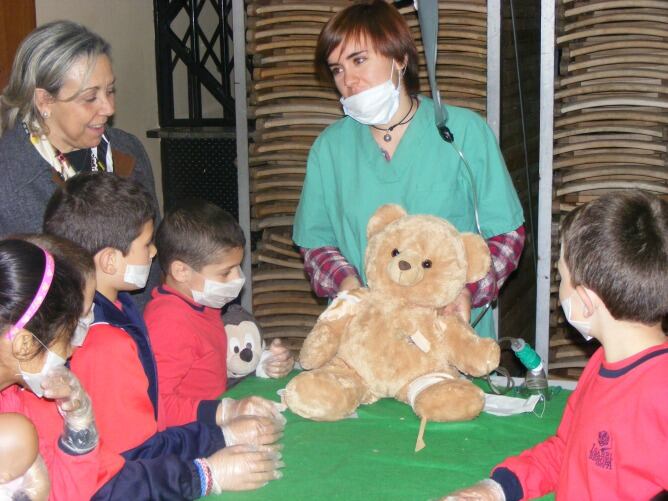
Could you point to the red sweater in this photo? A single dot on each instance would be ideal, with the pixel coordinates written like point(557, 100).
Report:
point(72, 477)
point(109, 366)
point(190, 348)
point(611, 443)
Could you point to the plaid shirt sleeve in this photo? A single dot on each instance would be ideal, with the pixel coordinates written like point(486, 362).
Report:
point(506, 250)
point(326, 268)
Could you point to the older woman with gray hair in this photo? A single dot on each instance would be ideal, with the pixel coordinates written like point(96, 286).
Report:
point(54, 122)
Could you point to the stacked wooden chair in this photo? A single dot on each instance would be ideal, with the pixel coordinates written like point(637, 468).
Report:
point(291, 107)
point(611, 122)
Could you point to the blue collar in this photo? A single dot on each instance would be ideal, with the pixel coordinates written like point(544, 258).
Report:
point(613, 373)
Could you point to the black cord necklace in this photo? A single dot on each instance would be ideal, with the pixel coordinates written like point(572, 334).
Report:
point(388, 136)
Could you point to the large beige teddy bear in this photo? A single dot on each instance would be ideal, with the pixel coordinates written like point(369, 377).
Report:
point(388, 340)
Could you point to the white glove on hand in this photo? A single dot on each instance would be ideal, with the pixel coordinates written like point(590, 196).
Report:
point(256, 430)
point(276, 362)
point(244, 467)
point(34, 483)
point(485, 490)
point(249, 406)
point(80, 434)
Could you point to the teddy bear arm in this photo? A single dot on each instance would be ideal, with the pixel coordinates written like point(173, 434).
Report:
point(467, 351)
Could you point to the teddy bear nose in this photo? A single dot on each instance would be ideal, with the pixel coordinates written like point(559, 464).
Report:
point(246, 355)
point(404, 265)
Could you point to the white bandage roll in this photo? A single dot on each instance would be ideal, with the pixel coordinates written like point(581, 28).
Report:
point(423, 382)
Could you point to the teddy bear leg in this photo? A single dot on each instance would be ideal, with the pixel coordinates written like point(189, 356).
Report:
point(451, 400)
point(327, 394)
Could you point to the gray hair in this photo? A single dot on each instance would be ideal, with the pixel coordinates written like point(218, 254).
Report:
point(42, 62)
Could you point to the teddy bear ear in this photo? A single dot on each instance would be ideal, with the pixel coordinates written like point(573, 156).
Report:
point(477, 255)
point(383, 216)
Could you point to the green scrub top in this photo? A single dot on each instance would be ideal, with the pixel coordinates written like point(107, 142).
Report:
point(348, 178)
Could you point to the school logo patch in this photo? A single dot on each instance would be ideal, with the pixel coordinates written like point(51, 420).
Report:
point(601, 451)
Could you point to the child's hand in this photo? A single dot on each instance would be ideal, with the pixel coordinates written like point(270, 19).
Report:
point(244, 467)
point(280, 362)
point(252, 430)
point(249, 406)
point(80, 433)
point(485, 490)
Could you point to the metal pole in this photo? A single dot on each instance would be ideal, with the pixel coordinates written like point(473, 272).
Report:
point(547, 53)
point(241, 113)
point(494, 86)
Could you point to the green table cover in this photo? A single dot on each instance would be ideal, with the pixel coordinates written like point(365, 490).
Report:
point(372, 457)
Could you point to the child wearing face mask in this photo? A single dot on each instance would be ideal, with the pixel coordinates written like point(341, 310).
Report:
point(611, 443)
point(40, 304)
point(112, 218)
point(200, 248)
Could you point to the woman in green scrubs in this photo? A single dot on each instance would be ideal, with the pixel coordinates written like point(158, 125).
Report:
point(388, 150)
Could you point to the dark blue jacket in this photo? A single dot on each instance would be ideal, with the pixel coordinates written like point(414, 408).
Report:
point(162, 467)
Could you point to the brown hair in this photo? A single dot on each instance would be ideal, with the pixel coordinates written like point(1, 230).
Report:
point(196, 232)
point(98, 210)
point(617, 246)
point(382, 26)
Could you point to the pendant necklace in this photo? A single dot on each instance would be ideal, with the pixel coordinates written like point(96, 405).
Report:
point(388, 136)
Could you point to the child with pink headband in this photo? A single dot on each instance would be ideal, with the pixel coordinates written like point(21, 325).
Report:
point(41, 303)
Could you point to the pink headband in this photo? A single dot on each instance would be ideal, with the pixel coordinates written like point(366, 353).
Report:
point(47, 278)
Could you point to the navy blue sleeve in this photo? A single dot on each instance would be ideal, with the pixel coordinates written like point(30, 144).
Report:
point(188, 442)
point(207, 410)
point(166, 477)
point(512, 487)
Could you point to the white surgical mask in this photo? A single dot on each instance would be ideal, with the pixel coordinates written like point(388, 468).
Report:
point(374, 106)
point(34, 381)
point(137, 274)
point(82, 328)
point(502, 405)
point(218, 294)
point(581, 326)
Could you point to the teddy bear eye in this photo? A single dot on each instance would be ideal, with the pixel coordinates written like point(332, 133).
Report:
point(426, 263)
point(236, 349)
point(395, 252)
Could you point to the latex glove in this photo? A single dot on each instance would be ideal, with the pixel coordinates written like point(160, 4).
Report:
point(277, 361)
point(244, 467)
point(257, 430)
point(249, 406)
point(34, 483)
point(460, 306)
point(485, 490)
point(79, 434)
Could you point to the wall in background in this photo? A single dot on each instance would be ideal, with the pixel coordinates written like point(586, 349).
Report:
point(128, 26)
point(17, 19)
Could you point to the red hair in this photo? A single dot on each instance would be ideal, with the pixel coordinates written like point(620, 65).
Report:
point(380, 24)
